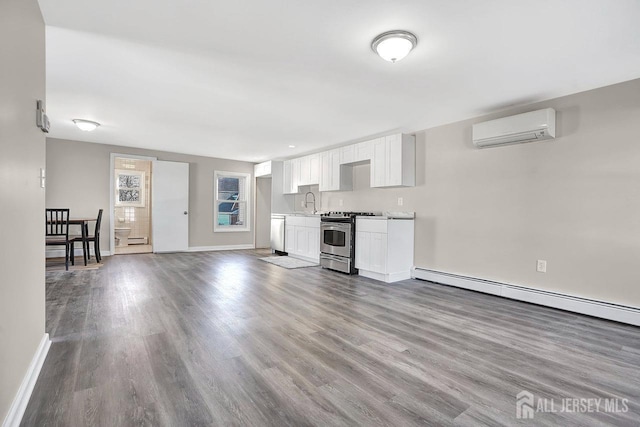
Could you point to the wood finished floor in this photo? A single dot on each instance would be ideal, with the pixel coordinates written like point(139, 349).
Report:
point(223, 338)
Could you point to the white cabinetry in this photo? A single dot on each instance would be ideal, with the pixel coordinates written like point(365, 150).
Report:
point(308, 170)
point(287, 178)
point(363, 151)
point(393, 163)
point(302, 237)
point(262, 169)
point(384, 248)
point(314, 169)
point(348, 154)
point(301, 171)
point(331, 178)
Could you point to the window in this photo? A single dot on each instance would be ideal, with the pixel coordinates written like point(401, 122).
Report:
point(129, 188)
point(231, 201)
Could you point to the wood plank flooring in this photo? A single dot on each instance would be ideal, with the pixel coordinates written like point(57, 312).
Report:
point(222, 338)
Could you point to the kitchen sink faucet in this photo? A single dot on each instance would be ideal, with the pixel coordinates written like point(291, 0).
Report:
point(306, 203)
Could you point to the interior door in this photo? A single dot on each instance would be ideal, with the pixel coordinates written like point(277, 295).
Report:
point(170, 206)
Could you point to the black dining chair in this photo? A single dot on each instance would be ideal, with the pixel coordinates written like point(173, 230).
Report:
point(95, 238)
point(57, 231)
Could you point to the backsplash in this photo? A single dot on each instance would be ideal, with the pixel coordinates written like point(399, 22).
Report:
point(299, 199)
point(363, 198)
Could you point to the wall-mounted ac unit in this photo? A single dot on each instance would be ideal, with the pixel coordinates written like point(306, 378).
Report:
point(527, 127)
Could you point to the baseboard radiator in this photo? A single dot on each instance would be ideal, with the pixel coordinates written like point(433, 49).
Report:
point(138, 240)
point(605, 310)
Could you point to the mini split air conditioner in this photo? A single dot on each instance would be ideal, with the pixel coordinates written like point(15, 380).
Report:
point(533, 126)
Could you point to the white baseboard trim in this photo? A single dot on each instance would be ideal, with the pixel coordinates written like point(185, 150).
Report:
point(605, 310)
point(59, 253)
point(220, 248)
point(387, 278)
point(16, 411)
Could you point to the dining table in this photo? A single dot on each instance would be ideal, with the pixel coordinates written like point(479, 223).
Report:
point(84, 232)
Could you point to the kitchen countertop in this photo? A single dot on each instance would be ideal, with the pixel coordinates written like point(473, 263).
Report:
point(383, 215)
point(309, 214)
point(391, 215)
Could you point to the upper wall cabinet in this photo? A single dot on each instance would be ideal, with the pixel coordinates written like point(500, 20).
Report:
point(393, 163)
point(262, 169)
point(331, 177)
point(309, 171)
point(301, 171)
point(361, 152)
point(287, 178)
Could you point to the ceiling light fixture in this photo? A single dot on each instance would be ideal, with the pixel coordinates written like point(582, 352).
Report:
point(86, 125)
point(394, 45)
point(292, 146)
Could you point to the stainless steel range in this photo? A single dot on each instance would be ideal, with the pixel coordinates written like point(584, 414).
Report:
point(338, 240)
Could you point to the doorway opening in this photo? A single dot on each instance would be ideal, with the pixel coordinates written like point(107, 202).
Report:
point(131, 231)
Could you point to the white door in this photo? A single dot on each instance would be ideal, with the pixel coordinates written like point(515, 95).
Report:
point(170, 206)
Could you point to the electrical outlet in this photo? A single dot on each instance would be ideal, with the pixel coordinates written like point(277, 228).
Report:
point(302, 203)
point(400, 201)
point(541, 266)
point(341, 202)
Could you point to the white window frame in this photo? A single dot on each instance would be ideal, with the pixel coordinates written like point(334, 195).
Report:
point(247, 191)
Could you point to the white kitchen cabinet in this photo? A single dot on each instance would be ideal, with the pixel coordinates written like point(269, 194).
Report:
point(331, 178)
point(301, 171)
point(363, 151)
point(262, 169)
point(302, 237)
point(379, 163)
point(357, 153)
point(393, 163)
point(384, 248)
point(289, 238)
point(314, 169)
point(291, 176)
point(309, 170)
point(348, 154)
point(287, 177)
point(304, 171)
point(296, 174)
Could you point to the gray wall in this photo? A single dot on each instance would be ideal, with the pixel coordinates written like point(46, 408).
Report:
point(490, 214)
point(78, 177)
point(263, 212)
point(22, 154)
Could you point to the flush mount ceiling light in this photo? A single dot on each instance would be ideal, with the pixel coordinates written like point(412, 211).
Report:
point(394, 45)
point(86, 125)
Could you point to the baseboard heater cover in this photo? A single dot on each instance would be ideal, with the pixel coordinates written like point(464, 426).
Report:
point(605, 310)
point(138, 240)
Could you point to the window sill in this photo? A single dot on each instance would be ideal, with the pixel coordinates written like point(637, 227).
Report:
point(231, 230)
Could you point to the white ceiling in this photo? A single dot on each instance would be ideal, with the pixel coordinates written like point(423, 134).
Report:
point(245, 79)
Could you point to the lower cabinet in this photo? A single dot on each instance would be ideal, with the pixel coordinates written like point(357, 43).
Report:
point(384, 248)
point(302, 237)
